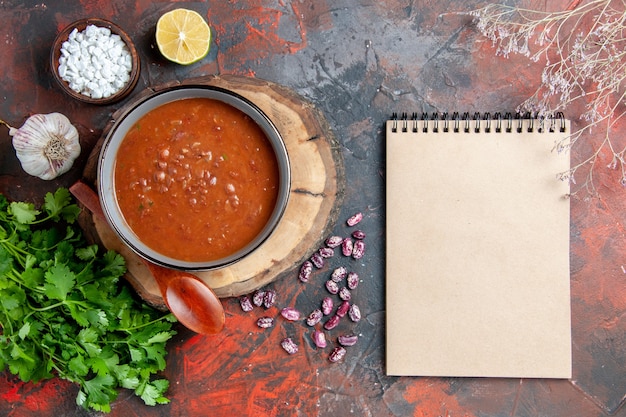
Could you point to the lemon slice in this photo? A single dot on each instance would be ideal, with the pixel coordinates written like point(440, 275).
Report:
point(183, 36)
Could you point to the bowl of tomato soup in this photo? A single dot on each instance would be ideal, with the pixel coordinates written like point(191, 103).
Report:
point(194, 177)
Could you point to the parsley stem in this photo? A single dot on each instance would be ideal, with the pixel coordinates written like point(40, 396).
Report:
point(8, 322)
point(16, 252)
point(16, 277)
point(59, 304)
point(146, 324)
point(46, 308)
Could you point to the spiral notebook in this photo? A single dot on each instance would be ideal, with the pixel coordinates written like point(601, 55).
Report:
point(477, 247)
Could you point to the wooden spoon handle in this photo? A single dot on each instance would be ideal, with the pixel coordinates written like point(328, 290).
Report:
point(88, 197)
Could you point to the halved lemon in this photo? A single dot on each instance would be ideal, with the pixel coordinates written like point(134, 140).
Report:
point(183, 36)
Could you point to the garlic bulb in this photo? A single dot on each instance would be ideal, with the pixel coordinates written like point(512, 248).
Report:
point(46, 145)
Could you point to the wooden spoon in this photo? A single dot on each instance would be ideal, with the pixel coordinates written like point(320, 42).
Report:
point(193, 303)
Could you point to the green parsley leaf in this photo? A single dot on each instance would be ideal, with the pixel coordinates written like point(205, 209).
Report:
point(97, 318)
point(6, 261)
point(23, 213)
point(77, 365)
point(136, 354)
point(4, 203)
point(152, 392)
point(12, 298)
point(33, 277)
point(160, 337)
point(30, 261)
point(100, 391)
point(114, 264)
point(87, 254)
point(24, 331)
point(59, 281)
point(127, 376)
point(58, 205)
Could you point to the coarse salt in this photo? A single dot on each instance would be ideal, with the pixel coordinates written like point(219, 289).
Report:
point(95, 62)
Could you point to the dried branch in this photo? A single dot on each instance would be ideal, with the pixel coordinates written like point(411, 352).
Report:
point(584, 49)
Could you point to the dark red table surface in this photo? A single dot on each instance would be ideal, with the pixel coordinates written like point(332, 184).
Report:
point(357, 62)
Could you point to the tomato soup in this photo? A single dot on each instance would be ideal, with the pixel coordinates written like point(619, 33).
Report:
point(196, 179)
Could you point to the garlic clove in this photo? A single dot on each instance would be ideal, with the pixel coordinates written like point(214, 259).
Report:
point(46, 145)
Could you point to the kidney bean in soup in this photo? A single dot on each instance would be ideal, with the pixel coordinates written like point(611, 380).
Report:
point(196, 179)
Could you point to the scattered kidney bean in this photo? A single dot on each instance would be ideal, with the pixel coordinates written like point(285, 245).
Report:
point(314, 317)
point(347, 246)
point(265, 322)
point(317, 260)
point(289, 345)
point(332, 286)
point(355, 219)
point(269, 298)
point(353, 280)
point(339, 273)
point(358, 234)
point(353, 246)
point(345, 294)
point(290, 314)
point(337, 354)
point(348, 340)
point(327, 305)
point(354, 313)
point(319, 338)
point(358, 249)
point(305, 271)
point(332, 322)
point(343, 309)
point(334, 241)
point(245, 303)
point(257, 298)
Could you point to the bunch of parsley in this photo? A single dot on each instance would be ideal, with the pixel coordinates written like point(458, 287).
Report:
point(64, 313)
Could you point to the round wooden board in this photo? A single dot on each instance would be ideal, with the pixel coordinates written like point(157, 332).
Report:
point(317, 189)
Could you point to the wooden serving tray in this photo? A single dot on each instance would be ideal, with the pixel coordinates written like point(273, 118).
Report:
point(317, 188)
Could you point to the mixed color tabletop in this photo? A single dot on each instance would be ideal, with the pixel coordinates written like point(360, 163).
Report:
point(356, 63)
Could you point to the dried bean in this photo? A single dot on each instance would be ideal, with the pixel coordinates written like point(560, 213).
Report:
point(355, 219)
point(319, 338)
point(326, 252)
point(353, 280)
point(332, 322)
point(327, 305)
point(305, 271)
point(290, 314)
point(343, 309)
point(348, 340)
point(265, 322)
point(347, 246)
point(269, 298)
point(358, 234)
point(345, 294)
point(314, 317)
point(332, 286)
point(339, 274)
point(289, 345)
point(337, 354)
point(358, 249)
point(245, 303)
point(257, 298)
point(317, 260)
point(354, 313)
point(334, 241)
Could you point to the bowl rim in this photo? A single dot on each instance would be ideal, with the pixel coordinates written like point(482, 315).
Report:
point(125, 121)
point(81, 24)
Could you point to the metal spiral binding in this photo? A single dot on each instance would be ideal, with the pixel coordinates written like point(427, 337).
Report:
point(481, 122)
